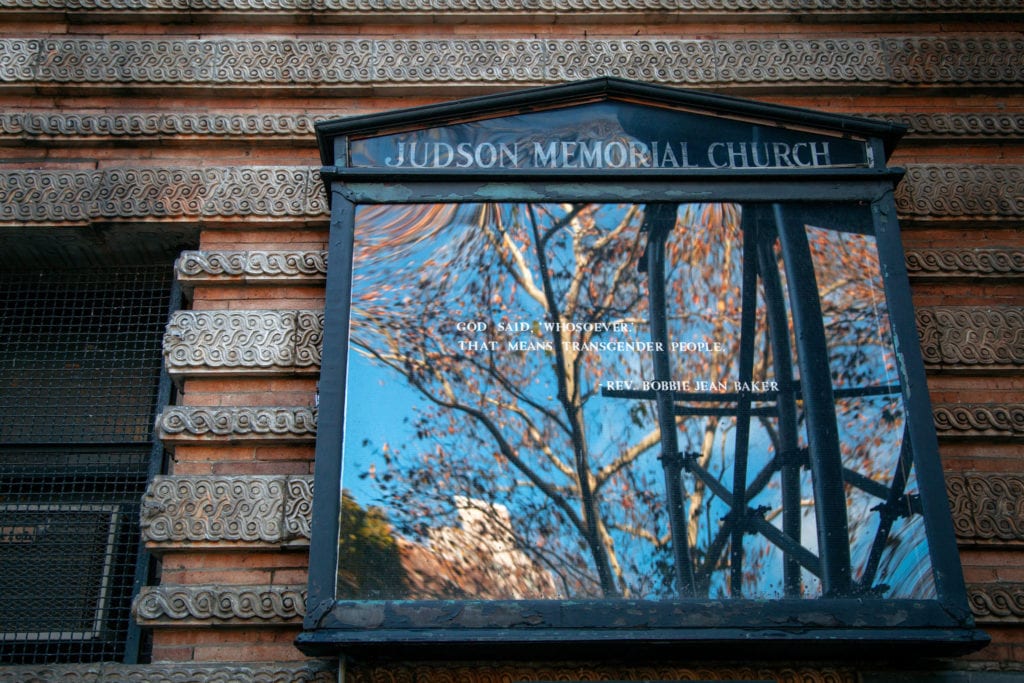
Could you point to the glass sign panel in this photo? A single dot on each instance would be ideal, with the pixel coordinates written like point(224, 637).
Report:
point(566, 400)
point(608, 135)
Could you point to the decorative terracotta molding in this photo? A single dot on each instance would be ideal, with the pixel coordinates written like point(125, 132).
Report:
point(198, 424)
point(179, 512)
point(62, 125)
point(526, 8)
point(288, 194)
point(987, 508)
point(313, 671)
point(968, 337)
point(309, 338)
point(515, 671)
point(217, 605)
point(967, 420)
point(942, 60)
point(58, 196)
point(187, 125)
point(385, 62)
point(975, 125)
point(997, 603)
point(298, 508)
point(965, 263)
point(961, 191)
point(243, 342)
point(256, 267)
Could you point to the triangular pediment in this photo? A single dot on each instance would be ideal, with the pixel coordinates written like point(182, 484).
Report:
point(604, 124)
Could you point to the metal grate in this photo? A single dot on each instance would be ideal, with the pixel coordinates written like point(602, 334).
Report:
point(80, 358)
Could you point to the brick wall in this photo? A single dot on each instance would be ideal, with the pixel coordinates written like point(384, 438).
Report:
point(162, 120)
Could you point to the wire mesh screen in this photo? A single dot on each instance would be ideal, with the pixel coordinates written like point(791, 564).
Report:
point(80, 357)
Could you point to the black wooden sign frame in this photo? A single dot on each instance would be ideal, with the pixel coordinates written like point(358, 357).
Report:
point(805, 628)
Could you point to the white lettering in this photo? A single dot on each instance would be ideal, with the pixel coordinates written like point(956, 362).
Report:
point(465, 152)
point(760, 163)
point(781, 151)
point(668, 158)
point(820, 157)
point(590, 155)
point(544, 157)
point(665, 385)
point(639, 155)
point(737, 155)
point(610, 154)
point(529, 345)
point(796, 154)
point(486, 155)
point(423, 161)
point(755, 387)
point(449, 152)
point(615, 155)
point(712, 148)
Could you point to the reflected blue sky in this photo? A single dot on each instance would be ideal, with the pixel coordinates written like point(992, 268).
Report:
point(421, 270)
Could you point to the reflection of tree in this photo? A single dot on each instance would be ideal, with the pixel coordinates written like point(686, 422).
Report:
point(371, 551)
point(871, 427)
point(526, 430)
point(526, 410)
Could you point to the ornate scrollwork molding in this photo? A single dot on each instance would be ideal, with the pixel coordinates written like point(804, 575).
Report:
point(515, 671)
point(179, 512)
point(938, 60)
point(987, 508)
point(309, 338)
point(192, 424)
point(243, 342)
point(974, 125)
point(392, 61)
point(289, 194)
point(965, 263)
point(63, 125)
point(969, 337)
point(969, 420)
point(997, 603)
point(258, 267)
point(961, 191)
point(508, 9)
point(174, 672)
point(298, 508)
point(227, 126)
point(213, 605)
point(277, 192)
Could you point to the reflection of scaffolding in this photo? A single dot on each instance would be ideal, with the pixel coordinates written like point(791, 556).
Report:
point(831, 564)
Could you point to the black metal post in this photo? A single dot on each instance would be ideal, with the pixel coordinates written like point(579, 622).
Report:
point(748, 325)
point(659, 220)
point(819, 408)
point(782, 359)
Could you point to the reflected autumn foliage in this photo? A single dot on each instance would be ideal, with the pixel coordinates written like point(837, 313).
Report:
point(483, 337)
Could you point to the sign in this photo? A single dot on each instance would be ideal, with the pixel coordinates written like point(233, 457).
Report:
point(608, 136)
point(611, 154)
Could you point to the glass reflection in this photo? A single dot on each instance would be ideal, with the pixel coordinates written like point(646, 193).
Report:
point(504, 395)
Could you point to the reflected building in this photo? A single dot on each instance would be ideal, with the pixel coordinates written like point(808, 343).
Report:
point(480, 558)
